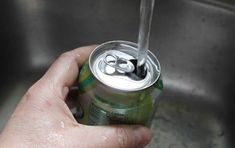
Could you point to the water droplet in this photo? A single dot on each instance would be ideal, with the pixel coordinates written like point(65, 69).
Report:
point(104, 138)
point(61, 124)
point(56, 138)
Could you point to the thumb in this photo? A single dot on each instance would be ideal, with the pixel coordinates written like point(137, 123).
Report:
point(118, 136)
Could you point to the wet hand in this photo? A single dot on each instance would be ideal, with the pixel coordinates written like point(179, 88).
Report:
point(42, 118)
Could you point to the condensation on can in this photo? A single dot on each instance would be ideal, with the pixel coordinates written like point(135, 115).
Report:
point(105, 103)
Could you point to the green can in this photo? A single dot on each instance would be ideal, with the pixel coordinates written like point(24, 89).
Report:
point(110, 90)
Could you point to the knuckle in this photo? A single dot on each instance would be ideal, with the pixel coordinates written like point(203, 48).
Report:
point(67, 55)
point(31, 96)
point(30, 93)
point(36, 99)
point(36, 91)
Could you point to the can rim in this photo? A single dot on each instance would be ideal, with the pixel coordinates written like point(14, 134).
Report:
point(134, 45)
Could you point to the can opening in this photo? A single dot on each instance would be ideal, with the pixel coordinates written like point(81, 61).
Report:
point(112, 64)
point(138, 74)
point(119, 63)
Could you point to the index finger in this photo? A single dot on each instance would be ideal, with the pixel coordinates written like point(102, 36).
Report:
point(63, 72)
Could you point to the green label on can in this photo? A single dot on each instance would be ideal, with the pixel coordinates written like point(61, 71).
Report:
point(104, 113)
point(86, 79)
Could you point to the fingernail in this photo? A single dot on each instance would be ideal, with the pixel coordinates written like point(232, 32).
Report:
point(142, 136)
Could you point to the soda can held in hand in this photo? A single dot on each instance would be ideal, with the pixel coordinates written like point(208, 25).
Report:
point(110, 90)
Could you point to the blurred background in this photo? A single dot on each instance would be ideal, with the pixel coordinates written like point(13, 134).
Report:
point(194, 41)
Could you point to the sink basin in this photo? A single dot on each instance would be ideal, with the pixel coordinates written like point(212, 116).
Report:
point(193, 40)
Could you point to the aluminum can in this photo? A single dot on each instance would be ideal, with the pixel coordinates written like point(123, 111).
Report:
point(110, 91)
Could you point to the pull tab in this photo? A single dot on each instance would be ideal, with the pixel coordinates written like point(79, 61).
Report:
point(119, 63)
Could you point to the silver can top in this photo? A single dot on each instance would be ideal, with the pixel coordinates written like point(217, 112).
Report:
point(113, 64)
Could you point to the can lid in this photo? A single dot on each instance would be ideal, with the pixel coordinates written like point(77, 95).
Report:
point(112, 64)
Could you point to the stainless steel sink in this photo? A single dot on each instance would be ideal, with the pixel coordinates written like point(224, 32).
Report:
point(194, 41)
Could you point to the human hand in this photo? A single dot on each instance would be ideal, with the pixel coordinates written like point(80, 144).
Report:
point(42, 118)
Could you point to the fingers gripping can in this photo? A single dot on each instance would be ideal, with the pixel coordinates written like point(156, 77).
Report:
point(111, 92)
